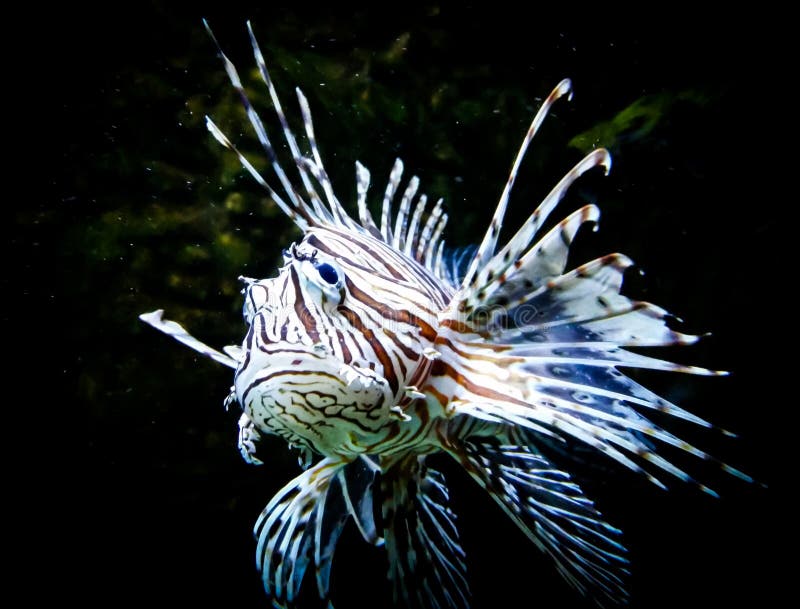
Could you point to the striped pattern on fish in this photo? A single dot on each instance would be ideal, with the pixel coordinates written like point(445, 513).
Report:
point(375, 346)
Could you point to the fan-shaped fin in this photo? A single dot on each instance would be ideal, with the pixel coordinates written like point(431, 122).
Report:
point(545, 260)
point(553, 512)
point(426, 562)
point(304, 520)
point(475, 290)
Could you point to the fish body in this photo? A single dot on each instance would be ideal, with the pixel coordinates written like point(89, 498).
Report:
point(376, 346)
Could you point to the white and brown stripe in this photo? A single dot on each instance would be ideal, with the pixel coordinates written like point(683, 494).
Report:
point(369, 350)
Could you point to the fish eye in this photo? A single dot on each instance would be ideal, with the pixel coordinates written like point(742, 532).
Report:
point(328, 273)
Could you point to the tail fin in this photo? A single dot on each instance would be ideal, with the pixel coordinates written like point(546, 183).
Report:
point(553, 512)
point(426, 562)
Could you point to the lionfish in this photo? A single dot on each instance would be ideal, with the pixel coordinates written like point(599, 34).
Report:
point(375, 347)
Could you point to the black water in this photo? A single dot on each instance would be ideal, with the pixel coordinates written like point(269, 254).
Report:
point(146, 211)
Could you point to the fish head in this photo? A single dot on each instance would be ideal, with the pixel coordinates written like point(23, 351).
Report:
point(335, 340)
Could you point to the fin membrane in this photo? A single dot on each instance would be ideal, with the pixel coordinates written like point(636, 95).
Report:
point(554, 513)
point(426, 561)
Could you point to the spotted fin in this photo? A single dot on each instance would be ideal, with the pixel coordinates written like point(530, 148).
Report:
point(498, 276)
point(544, 261)
point(585, 305)
point(507, 264)
point(426, 561)
point(568, 384)
point(554, 513)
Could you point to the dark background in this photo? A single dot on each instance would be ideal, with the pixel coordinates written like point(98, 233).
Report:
point(144, 210)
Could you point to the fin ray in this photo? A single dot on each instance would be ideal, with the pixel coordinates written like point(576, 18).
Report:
point(487, 246)
point(426, 561)
point(556, 516)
